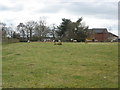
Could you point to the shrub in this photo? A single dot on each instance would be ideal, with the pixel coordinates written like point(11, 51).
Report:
point(9, 40)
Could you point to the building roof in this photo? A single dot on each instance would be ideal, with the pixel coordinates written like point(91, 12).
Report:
point(113, 34)
point(99, 30)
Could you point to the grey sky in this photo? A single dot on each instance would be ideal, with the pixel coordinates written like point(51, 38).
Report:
point(95, 13)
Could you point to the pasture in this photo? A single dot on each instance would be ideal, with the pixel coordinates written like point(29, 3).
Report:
point(71, 65)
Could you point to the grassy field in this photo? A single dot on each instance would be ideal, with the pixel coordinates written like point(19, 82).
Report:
point(71, 65)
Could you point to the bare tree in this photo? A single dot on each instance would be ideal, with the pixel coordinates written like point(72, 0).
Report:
point(53, 30)
point(41, 30)
point(21, 29)
point(10, 31)
point(3, 29)
point(30, 28)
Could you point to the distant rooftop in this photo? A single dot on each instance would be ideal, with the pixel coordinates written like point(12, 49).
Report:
point(99, 30)
point(113, 34)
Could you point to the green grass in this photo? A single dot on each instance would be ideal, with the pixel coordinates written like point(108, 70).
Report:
point(71, 65)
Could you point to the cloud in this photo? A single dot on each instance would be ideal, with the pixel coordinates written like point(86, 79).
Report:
point(107, 10)
point(15, 8)
point(51, 8)
point(96, 13)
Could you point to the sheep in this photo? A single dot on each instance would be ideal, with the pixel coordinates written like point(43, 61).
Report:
point(74, 40)
point(57, 42)
point(28, 41)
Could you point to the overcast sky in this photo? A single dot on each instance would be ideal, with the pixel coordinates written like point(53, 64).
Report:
point(95, 13)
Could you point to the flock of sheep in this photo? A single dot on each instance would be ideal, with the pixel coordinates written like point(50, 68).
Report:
point(57, 42)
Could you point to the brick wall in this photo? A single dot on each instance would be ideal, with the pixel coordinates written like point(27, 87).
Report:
point(101, 37)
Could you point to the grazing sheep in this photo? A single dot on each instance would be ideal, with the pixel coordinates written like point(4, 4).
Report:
point(71, 40)
point(28, 41)
point(74, 40)
point(57, 42)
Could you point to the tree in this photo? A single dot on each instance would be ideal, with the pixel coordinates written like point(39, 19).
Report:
point(21, 29)
point(16, 35)
point(30, 28)
point(72, 30)
point(64, 26)
point(53, 31)
point(3, 29)
point(81, 30)
point(10, 31)
point(41, 30)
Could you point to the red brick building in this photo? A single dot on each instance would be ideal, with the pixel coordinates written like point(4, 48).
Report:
point(101, 35)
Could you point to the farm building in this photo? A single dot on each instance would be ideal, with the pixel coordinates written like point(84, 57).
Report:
point(112, 37)
point(101, 35)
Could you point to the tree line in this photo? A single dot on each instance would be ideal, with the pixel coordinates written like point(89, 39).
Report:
point(39, 31)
